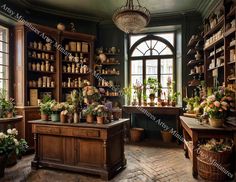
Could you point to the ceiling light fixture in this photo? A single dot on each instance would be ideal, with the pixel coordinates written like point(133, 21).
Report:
point(131, 18)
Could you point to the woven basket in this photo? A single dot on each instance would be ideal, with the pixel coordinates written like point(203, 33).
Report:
point(211, 172)
point(220, 157)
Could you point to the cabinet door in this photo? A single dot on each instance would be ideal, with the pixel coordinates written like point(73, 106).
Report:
point(51, 148)
point(89, 152)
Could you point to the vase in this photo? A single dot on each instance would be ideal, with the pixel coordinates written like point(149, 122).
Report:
point(69, 118)
point(63, 118)
point(76, 117)
point(44, 117)
point(216, 123)
point(55, 117)
point(3, 160)
point(89, 118)
point(9, 114)
point(100, 119)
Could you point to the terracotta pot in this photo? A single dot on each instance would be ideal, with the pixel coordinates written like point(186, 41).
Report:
point(216, 123)
point(136, 134)
point(63, 118)
point(44, 117)
point(100, 120)
point(3, 160)
point(166, 136)
point(9, 114)
point(89, 118)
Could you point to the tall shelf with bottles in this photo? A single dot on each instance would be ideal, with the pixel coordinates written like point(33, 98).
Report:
point(195, 64)
point(107, 69)
point(219, 47)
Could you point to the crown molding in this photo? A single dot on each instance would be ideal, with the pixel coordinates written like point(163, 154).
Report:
point(67, 14)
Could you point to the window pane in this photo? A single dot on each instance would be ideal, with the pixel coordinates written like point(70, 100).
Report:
point(136, 67)
point(148, 53)
point(164, 79)
point(136, 52)
point(3, 47)
point(3, 84)
point(151, 66)
point(136, 79)
point(167, 36)
point(166, 51)
point(135, 38)
point(3, 58)
point(166, 66)
point(3, 72)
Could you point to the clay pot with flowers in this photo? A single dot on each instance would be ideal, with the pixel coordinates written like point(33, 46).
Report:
point(45, 108)
point(101, 112)
point(89, 112)
point(56, 108)
point(91, 94)
point(216, 107)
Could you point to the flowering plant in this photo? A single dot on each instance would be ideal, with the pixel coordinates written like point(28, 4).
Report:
point(56, 107)
point(101, 111)
point(9, 143)
point(138, 89)
point(90, 109)
point(6, 105)
point(217, 105)
point(91, 92)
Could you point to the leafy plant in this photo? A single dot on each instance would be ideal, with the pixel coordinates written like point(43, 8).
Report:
point(175, 96)
point(101, 111)
point(56, 107)
point(6, 105)
point(90, 109)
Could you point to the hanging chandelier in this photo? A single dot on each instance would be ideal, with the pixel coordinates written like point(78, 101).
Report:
point(131, 18)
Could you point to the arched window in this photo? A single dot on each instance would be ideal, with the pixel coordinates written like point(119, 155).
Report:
point(152, 56)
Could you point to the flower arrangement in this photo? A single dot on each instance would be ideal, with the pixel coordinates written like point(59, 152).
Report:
point(192, 102)
point(101, 111)
point(153, 86)
point(56, 107)
point(90, 109)
point(138, 89)
point(217, 105)
point(91, 93)
point(219, 145)
point(9, 143)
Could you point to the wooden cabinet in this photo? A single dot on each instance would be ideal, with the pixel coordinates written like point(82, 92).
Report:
point(89, 148)
point(219, 48)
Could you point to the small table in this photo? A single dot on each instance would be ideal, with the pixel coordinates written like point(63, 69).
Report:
point(153, 110)
point(193, 131)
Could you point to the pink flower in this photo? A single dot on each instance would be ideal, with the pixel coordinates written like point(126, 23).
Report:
point(220, 110)
point(224, 103)
point(217, 103)
point(229, 98)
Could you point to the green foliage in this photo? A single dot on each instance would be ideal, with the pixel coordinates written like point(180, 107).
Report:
point(90, 109)
point(101, 110)
point(153, 85)
point(175, 96)
point(45, 105)
point(6, 105)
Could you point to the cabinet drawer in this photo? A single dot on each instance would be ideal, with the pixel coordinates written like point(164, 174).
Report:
point(48, 130)
point(86, 133)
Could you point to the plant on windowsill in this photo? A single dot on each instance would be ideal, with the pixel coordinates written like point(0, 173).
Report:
point(144, 100)
point(174, 98)
point(7, 106)
point(128, 92)
point(138, 89)
point(153, 86)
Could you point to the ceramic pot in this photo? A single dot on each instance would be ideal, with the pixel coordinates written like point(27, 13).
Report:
point(44, 117)
point(173, 103)
point(100, 120)
point(55, 117)
point(89, 118)
point(216, 123)
point(63, 118)
point(3, 160)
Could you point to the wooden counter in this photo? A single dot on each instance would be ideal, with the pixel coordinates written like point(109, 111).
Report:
point(90, 148)
point(193, 132)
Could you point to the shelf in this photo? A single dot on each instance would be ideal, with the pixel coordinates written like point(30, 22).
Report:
point(42, 72)
point(109, 64)
point(111, 54)
point(71, 62)
point(195, 62)
point(52, 51)
point(231, 62)
point(189, 145)
point(216, 27)
point(75, 73)
point(216, 68)
point(232, 44)
point(41, 87)
point(72, 87)
point(42, 59)
point(109, 74)
point(114, 86)
point(232, 79)
point(110, 96)
point(77, 52)
point(229, 32)
point(194, 74)
point(231, 13)
point(214, 43)
point(192, 42)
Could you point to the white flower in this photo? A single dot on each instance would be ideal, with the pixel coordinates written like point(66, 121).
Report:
point(9, 131)
point(224, 103)
point(2, 135)
point(14, 131)
point(16, 142)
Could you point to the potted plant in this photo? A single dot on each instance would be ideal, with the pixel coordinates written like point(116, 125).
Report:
point(138, 89)
point(70, 112)
point(128, 92)
point(56, 108)
point(45, 108)
point(77, 101)
point(216, 107)
point(10, 108)
point(64, 112)
point(190, 102)
point(7, 106)
point(101, 112)
point(174, 98)
point(10, 146)
point(153, 86)
point(89, 113)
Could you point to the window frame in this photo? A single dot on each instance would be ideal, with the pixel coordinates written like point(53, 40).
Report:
point(10, 74)
point(158, 57)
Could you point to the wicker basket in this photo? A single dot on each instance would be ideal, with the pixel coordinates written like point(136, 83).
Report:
point(208, 171)
point(220, 157)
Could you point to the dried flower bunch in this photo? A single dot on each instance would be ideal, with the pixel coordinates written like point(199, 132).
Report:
point(220, 145)
point(91, 92)
point(56, 107)
point(101, 110)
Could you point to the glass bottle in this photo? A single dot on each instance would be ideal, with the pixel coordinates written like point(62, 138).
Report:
point(42, 66)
